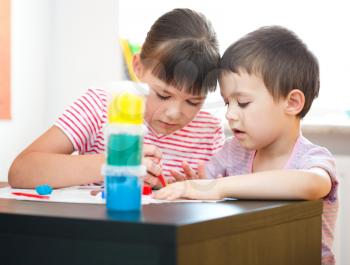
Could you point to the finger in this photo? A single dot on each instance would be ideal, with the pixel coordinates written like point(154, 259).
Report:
point(190, 173)
point(154, 159)
point(173, 196)
point(152, 167)
point(177, 175)
point(177, 191)
point(95, 192)
point(152, 151)
point(170, 180)
point(201, 170)
point(152, 180)
point(161, 194)
point(220, 176)
point(98, 183)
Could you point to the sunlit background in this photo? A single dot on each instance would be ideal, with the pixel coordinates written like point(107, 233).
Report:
point(59, 48)
point(322, 25)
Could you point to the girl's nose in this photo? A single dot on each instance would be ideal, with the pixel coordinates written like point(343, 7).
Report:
point(173, 112)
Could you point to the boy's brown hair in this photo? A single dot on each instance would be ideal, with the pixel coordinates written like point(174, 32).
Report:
point(280, 58)
point(182, 50)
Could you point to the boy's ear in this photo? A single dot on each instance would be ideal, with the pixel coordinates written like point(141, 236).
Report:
point(295, 102)
point(137, 65)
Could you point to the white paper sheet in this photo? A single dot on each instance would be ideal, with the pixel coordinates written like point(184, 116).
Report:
point(77, 194)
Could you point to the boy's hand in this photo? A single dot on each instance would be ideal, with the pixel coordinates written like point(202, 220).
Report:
point(151, 160)
point(200, 189)
point(189, 172)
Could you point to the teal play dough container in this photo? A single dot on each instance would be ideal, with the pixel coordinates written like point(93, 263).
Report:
point(123, 187)
point(124, 149)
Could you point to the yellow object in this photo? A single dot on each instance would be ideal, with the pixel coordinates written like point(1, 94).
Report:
point(128, 55)
point(126, 108)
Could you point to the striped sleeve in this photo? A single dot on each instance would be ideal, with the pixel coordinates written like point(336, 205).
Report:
point(83, 121)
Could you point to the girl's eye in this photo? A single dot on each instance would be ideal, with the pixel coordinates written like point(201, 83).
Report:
point(243, 105)
point(193, 104)
point(162, 97)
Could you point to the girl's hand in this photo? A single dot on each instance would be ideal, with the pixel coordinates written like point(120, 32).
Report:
point(200, 189)
point(151, 160)
point(189, 172)
point(153, 152)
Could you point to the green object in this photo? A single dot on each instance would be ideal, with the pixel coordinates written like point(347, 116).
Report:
point(134, 48)
point(124, 150)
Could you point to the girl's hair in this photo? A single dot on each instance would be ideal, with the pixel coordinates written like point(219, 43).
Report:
point(280, 58)
point(182, 50)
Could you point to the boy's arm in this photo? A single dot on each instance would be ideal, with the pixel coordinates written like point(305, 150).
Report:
point(276, 185)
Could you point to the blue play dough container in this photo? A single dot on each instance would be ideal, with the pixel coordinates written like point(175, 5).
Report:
point(123, 188)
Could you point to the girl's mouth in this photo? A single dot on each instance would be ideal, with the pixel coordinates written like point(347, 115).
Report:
point(167, 125)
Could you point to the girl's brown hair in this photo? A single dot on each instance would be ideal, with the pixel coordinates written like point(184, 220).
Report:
point(182, 50)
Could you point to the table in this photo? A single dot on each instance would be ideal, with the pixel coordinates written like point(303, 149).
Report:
point(231, 232)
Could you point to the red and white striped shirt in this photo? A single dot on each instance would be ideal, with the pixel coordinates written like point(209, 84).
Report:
point(83, 122)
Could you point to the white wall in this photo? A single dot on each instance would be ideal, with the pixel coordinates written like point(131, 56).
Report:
point(30, 27)
point(337, 142)
point(85, 50)
point(342, 240)
point(59, 49)
point(323, 25)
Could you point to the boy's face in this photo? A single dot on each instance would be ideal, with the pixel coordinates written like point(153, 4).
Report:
point(168, 109)
point(255, 119)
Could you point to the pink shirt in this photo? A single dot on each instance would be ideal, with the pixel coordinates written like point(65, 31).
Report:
point(233, 159)
point(83, 122)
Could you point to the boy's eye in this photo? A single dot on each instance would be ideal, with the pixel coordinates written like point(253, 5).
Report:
point(243, 104)
point(162, 97)
point(226, 103)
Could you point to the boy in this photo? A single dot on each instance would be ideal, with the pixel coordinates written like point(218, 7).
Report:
point(268, 80)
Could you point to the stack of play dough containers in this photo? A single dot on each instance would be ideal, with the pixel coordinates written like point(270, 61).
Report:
point(124, 139)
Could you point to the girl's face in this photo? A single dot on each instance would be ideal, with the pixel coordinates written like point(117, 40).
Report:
point(256, 120)
point(167, 109)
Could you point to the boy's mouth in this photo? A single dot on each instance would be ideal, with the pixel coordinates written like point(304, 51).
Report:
point(238, 133)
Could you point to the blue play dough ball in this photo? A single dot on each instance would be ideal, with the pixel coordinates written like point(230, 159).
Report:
point(43, 189)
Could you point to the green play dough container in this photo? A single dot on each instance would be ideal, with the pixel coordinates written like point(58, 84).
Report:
point(124, 150)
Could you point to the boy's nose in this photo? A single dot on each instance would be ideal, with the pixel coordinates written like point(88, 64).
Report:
point(231, 114)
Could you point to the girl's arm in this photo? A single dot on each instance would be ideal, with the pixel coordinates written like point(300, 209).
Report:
point(276, 185)
point(48, 160)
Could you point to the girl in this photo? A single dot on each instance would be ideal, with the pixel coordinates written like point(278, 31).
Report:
point(178, 61)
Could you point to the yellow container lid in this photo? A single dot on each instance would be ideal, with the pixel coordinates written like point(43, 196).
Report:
point(128, 104)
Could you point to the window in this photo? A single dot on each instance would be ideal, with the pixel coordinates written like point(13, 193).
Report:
point(322, 25)
point(5, 59)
